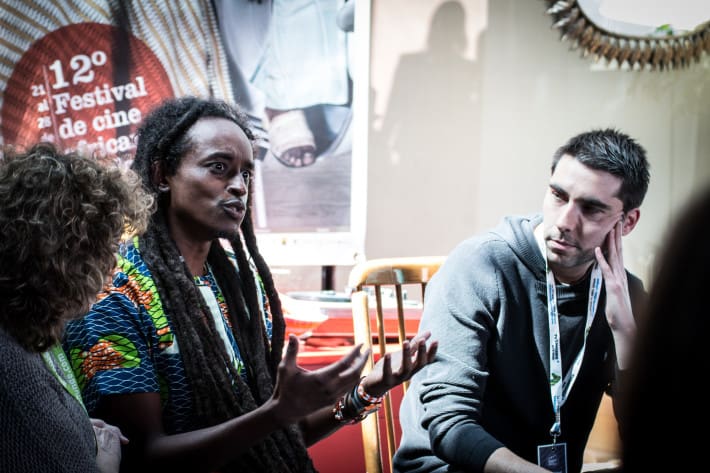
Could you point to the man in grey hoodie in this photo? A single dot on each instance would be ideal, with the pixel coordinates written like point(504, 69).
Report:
point(534, 321)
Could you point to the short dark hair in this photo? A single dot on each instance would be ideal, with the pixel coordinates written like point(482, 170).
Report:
point(614, 152)
point(62, 216)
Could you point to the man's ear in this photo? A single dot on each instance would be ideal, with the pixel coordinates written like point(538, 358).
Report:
point(630, 219)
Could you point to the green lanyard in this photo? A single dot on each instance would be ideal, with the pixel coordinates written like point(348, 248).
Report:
point(55, 357)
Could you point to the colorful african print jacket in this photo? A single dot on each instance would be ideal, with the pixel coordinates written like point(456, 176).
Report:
point(125, 344)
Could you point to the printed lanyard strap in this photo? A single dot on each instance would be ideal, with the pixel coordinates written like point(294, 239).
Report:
point(55, 357)
point(560, 386)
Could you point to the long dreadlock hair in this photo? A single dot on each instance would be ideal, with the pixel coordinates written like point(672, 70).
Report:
point(218, 391)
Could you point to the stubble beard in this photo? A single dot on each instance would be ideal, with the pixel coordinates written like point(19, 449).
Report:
point(579, 258)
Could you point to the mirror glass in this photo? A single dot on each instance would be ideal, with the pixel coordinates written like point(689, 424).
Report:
point(635, 34)
point(647, 17)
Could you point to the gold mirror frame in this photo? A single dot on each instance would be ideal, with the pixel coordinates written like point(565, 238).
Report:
point(637, 52)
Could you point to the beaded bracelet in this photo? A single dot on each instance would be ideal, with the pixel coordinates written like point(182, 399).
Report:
point(341, 415)
point(355, 405)
point(366, 397)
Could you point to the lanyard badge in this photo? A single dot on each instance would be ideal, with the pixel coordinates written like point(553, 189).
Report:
point(554, 456)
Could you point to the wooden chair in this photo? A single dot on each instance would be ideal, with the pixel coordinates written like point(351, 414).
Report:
point(387, 282)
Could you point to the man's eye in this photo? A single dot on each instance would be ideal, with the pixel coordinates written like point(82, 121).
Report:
point(591, 210)
point(246, 175)
point(217, 166)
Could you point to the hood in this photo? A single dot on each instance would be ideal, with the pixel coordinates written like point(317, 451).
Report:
point(517, 232)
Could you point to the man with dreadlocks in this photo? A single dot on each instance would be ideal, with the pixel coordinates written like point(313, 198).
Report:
point(183, 351)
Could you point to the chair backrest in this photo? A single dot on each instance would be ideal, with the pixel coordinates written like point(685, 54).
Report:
point(387, 283)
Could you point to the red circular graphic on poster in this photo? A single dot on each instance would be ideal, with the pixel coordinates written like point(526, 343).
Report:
point(84, 86)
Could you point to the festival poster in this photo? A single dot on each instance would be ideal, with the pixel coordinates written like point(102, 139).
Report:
point(84, 74)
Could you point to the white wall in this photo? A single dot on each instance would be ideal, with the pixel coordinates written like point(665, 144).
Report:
point(463, 123)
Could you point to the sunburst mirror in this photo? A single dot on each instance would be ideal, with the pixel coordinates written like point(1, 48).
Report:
point(635, 34)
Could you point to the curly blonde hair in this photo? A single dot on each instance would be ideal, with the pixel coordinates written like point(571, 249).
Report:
point(61, 216)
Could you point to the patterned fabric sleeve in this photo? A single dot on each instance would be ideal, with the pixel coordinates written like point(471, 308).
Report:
point(125, 343)
point(111, 349)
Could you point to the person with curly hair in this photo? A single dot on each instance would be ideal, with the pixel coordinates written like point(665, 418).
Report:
point(185, 351)
point(62, 216)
